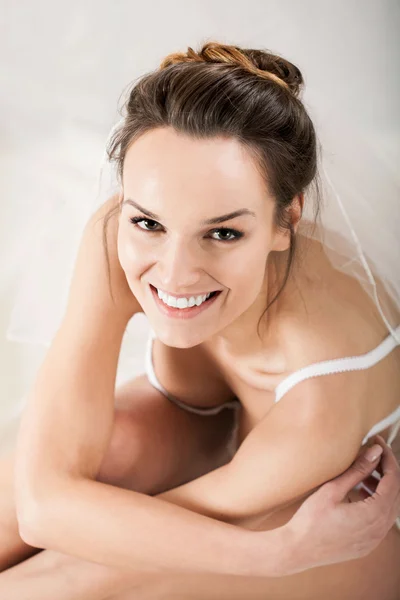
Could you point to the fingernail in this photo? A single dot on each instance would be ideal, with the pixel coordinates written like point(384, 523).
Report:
point(373, 453)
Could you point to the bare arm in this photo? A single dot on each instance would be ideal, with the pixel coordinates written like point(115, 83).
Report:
point(70, 411)
point(344, 532)
point(141, 532)
point(64, 434)
point(301, 433)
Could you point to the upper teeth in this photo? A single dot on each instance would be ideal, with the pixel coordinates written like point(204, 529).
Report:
point(182, 302)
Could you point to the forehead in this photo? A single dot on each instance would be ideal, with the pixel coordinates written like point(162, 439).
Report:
point(163, 160)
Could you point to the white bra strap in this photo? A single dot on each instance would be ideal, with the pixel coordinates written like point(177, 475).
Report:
point(393, 433)
point(390, 420)
point(338, 365)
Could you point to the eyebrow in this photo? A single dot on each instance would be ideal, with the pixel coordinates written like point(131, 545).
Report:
point(221, 219)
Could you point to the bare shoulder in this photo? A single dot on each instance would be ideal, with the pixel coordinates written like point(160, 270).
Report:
point(332, 317)
point(329, 315)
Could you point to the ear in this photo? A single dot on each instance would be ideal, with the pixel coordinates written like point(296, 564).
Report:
point(294, 212)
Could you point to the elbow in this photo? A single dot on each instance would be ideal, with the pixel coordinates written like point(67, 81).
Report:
point(26, 534)
point(29, 522)
point(29, 505)
point(34, 512)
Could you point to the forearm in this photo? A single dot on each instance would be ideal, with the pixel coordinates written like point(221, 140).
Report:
point(128, 530)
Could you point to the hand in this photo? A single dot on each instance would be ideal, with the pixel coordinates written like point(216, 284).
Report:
point(329, 528)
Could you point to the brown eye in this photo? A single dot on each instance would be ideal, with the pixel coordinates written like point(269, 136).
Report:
point(231, 232)
point(137, 220)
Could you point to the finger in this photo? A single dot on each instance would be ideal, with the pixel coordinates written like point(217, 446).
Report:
point(360, 469)
point(389, 485)
point(386, 499)
point(389, 460)
point(379, 470)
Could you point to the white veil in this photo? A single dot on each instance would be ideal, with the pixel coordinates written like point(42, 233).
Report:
point(359, 227)
point(360, 216)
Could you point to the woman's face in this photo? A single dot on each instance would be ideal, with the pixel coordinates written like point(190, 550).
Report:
point(177, 184)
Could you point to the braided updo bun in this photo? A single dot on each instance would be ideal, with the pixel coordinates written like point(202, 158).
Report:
point(259, 62)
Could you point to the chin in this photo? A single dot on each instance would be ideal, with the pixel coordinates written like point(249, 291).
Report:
point(180, 341)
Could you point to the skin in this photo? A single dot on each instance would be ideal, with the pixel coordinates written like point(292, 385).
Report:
point(167, 258)
point(185, 181)
point(49, 572)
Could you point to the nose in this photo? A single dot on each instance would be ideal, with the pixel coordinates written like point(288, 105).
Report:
point(179, 267)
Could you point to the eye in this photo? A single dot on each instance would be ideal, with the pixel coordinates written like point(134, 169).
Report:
point(232, 232)
point(136, 220)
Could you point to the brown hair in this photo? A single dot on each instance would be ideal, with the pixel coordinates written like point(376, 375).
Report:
point(247, 94)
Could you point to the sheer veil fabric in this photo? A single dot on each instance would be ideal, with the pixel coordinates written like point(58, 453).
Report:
point(359, 226)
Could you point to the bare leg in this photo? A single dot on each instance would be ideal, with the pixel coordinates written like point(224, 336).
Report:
point(50, 575)
point(371, 577)
point(146, 426)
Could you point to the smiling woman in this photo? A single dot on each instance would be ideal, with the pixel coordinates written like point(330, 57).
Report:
point(218, 136)
point(179, 253)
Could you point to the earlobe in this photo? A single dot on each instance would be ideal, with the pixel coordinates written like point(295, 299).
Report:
point(294, 214)
point(297, 208)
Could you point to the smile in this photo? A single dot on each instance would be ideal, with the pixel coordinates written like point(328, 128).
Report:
point(183, 307)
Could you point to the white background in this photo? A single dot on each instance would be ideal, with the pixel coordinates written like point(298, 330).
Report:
point(64, 65)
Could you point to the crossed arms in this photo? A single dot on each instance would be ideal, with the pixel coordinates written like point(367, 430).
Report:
point(66, 428)
point(61, 507)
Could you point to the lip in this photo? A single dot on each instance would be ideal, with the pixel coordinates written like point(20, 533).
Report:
point(182, 313)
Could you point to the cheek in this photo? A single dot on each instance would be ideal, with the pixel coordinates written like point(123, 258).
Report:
point(246, 279)
point(247, 270)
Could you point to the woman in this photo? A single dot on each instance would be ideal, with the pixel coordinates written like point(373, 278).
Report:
point(211, 138)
